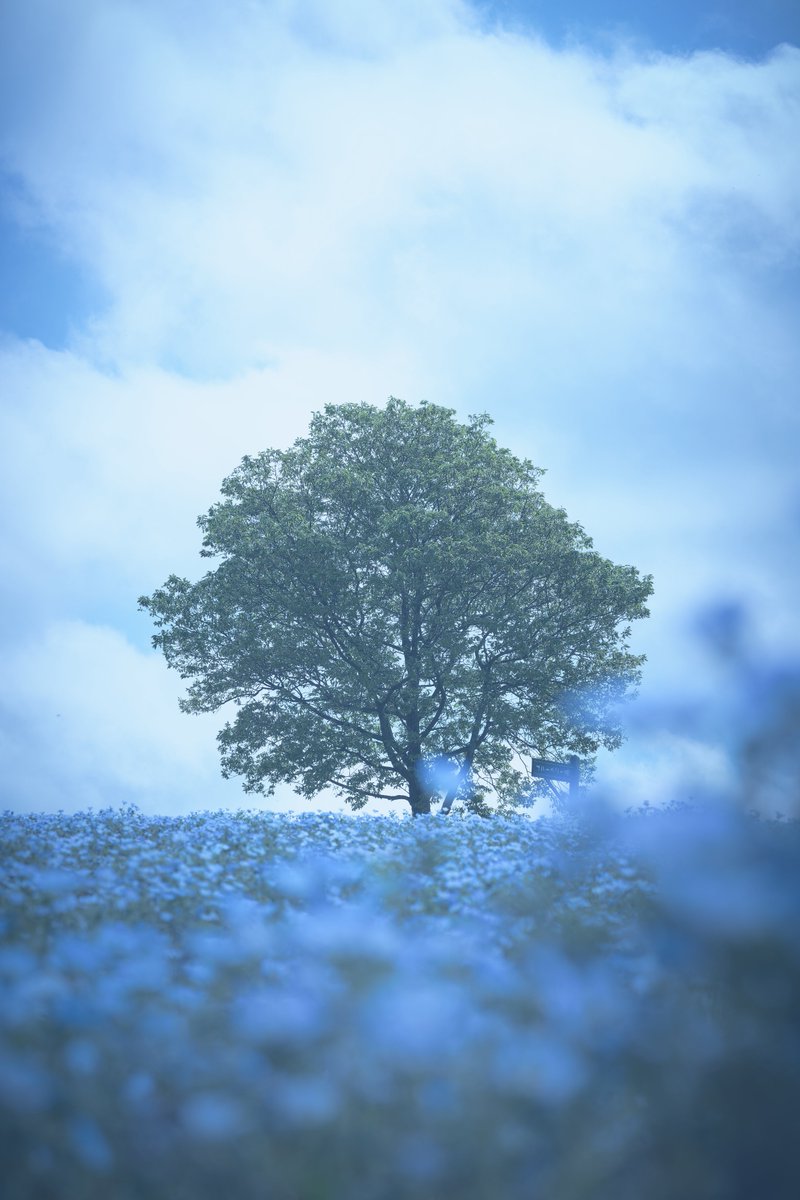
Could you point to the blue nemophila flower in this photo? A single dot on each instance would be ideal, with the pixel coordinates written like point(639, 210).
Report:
point(214, 1116)
point(25, 1085)
point(54, 881)
point(722, 873)
point(279, 1015)
point(537, 1064)
point(305, 1100)
point(415, 1022)
point(358, 932)
point(16, 962)
point(419, 1158)
point(81, 1056)
point(90, 1144)
point(139, 1089)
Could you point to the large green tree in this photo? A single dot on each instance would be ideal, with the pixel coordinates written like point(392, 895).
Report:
point(392, 595)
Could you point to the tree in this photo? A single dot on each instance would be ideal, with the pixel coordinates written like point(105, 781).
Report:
point(397, 612)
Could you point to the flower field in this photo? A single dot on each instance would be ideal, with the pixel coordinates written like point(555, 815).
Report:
point(335, 1007)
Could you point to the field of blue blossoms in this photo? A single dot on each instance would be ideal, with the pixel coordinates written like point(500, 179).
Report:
point(333, 1006)
point(594, 1006)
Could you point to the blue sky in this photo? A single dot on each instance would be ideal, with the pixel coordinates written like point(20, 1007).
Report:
point(583, 218)
point(738, 27)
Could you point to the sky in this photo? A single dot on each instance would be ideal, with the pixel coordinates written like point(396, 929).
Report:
point(217, 216)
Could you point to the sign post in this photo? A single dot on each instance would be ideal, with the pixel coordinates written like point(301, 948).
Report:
point(563, 772)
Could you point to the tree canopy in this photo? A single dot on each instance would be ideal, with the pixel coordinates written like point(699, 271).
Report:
point(397, 612)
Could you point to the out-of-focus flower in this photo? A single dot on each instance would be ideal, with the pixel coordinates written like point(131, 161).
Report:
point(213, 1116)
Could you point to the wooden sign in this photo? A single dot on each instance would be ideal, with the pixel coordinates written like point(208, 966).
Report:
point(562, 772)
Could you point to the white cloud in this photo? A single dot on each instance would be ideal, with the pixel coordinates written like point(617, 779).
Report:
point(240, 193)
point(96, 723)
point(294, 203)
point(115, 468)
point(664, 768)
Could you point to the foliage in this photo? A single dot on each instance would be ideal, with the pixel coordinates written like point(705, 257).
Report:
point(393, 592)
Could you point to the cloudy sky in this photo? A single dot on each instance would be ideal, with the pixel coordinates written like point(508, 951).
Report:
point(217, 215)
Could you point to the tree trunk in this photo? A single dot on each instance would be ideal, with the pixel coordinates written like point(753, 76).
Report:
point(419, 798)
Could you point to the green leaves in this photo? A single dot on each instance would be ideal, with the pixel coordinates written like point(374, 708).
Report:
point(394, 587)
